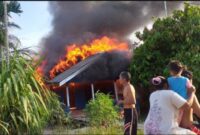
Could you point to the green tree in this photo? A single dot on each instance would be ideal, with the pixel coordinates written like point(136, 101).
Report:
point(12, 7)
point(173, 37)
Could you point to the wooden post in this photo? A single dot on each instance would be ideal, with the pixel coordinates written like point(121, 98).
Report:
point(92, 89)
point(67, 96)
point(116, 93)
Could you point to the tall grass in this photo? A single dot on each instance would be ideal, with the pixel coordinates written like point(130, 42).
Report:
point(25, 105)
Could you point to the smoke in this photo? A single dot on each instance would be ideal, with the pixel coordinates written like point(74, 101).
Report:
point(79, 22)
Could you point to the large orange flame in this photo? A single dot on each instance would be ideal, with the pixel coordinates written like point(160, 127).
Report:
point(76, 53)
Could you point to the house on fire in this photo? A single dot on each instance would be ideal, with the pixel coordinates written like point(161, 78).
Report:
point(77, 85)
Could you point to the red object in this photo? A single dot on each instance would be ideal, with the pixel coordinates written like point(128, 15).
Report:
point(195, 130)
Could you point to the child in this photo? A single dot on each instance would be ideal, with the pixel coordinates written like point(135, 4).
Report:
point(129, 101)
point(163, 113)
point(178, 83)
point(182, 86)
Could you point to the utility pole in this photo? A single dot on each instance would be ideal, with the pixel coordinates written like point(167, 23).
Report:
point(165, 4)
point(6, 32)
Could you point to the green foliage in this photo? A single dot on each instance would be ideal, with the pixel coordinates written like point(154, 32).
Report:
point(58, 116)
point(25, 105)
point(174, 37)
point(101, 111)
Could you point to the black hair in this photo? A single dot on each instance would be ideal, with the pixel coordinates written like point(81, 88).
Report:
point(126, 75)
point(159, 82)
point(188, 74)
point(175, 66)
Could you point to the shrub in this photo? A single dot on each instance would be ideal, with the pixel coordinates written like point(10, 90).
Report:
point(58, 117)
point(101, 111)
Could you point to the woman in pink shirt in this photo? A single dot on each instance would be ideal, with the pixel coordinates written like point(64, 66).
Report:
point(164, 110)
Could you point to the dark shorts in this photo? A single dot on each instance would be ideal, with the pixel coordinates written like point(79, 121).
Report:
point(130, 123)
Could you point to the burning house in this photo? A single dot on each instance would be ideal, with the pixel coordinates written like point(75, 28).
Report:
point(87, 69)
point(78, 84)
point(85, 50)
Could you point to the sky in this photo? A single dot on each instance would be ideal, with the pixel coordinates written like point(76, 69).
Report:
point(35, 23)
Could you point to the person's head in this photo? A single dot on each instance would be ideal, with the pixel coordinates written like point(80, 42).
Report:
point(124, 77)
point(159, 82)
point(188, 74)
point(175, 68)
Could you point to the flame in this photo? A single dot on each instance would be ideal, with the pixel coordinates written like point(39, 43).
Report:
point(38, 74)
point(76, 53)
point(41, 67)
point(39, 78)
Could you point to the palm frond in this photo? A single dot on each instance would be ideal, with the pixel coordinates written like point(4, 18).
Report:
point(12, 24)
point(14, 41)
point(14, 7)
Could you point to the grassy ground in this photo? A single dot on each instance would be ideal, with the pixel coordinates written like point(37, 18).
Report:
point(106, 131)
point(90, 130)
point(77, 127)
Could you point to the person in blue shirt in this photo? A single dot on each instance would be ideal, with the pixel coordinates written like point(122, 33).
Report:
point(178, 83)
point(182, 86)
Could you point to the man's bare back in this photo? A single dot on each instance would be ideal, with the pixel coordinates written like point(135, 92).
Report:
point(129, 96)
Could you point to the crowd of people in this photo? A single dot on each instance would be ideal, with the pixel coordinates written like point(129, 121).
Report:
point(173, 103)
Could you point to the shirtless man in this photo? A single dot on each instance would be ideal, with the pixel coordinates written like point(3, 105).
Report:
point(130, 113)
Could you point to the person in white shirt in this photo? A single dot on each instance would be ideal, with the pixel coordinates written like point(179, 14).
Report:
point(163, 114)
